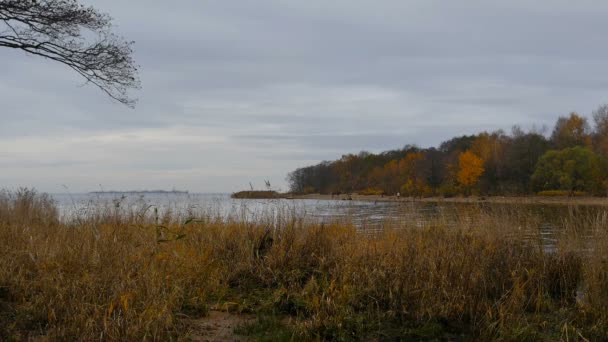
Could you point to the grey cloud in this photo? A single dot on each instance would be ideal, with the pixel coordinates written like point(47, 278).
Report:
point(232, 90)
point(38, 164)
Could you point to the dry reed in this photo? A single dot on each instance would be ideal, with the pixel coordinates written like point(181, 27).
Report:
point(466, 275)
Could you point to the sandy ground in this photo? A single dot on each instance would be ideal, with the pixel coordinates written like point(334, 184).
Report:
point(603, 201)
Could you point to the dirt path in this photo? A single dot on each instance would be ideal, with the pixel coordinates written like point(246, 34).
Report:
point(218, 326)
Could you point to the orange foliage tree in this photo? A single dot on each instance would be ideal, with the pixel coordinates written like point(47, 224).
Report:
point(470, 168)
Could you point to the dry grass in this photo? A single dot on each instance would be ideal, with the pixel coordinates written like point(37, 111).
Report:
point(467, 275)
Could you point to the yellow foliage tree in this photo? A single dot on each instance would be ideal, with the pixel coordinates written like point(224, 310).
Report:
point(571, 131)
point(413, 184)
point(470, 168)
point(483, 145)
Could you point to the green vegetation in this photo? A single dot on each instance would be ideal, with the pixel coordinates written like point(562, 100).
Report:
point(466, 274)
point(574, 158)
point(571, 169)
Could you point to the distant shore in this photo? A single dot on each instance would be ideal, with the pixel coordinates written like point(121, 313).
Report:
point(559, 200)
point(139, 192)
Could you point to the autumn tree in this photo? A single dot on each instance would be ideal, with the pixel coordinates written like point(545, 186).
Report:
point(571, 131)
point(470, 168)
point(413, 182)
point(521, 155)
point(491, 148)
point(431, 167)
point(457, 144)
point(388, 178)
point(347, 171)
point(491, 163)
point(482, 146)
point(72, 34)
point(571, 169)
point(600, 134)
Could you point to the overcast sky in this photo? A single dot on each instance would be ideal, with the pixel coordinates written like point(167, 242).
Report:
point(242, 91)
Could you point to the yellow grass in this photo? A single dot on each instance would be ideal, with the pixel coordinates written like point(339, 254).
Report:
point(127, 277)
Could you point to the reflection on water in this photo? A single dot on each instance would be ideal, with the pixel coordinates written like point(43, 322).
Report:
point(368, 216)
point(539, 222)
point(221, 205)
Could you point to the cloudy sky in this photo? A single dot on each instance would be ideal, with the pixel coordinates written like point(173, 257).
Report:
point(242, 91)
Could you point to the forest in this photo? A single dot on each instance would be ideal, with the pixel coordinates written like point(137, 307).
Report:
point(572, 160)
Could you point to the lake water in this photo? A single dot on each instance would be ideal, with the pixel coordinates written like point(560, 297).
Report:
point(368, 216)
point(183, 206)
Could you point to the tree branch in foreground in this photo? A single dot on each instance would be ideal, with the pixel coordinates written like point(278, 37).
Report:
point(74, 35)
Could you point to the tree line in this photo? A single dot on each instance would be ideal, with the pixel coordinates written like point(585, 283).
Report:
point(572, 160)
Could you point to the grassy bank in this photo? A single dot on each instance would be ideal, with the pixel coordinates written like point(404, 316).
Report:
point(464, 276)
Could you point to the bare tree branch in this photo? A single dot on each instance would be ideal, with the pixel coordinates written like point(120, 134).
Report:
point(77, 36)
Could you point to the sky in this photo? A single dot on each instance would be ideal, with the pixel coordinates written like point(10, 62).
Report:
point(235, 92)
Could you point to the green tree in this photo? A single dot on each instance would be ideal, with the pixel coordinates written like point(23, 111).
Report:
point(571, 169)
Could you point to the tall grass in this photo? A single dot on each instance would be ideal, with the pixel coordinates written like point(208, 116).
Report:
point(465, 275)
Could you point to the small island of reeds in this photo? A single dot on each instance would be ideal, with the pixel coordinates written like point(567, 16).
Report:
point(256, 194)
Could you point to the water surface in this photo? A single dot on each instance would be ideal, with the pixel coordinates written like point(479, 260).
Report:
point(369, 216)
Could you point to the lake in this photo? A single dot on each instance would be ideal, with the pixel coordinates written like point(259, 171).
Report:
point(185, 205)
point(368, 216)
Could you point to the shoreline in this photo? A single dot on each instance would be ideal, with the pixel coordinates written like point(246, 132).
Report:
point(529, 200)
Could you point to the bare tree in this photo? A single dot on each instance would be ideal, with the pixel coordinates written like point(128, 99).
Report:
point(75, 35)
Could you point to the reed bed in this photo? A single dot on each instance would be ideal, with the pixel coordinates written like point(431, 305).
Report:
point(468, 275)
